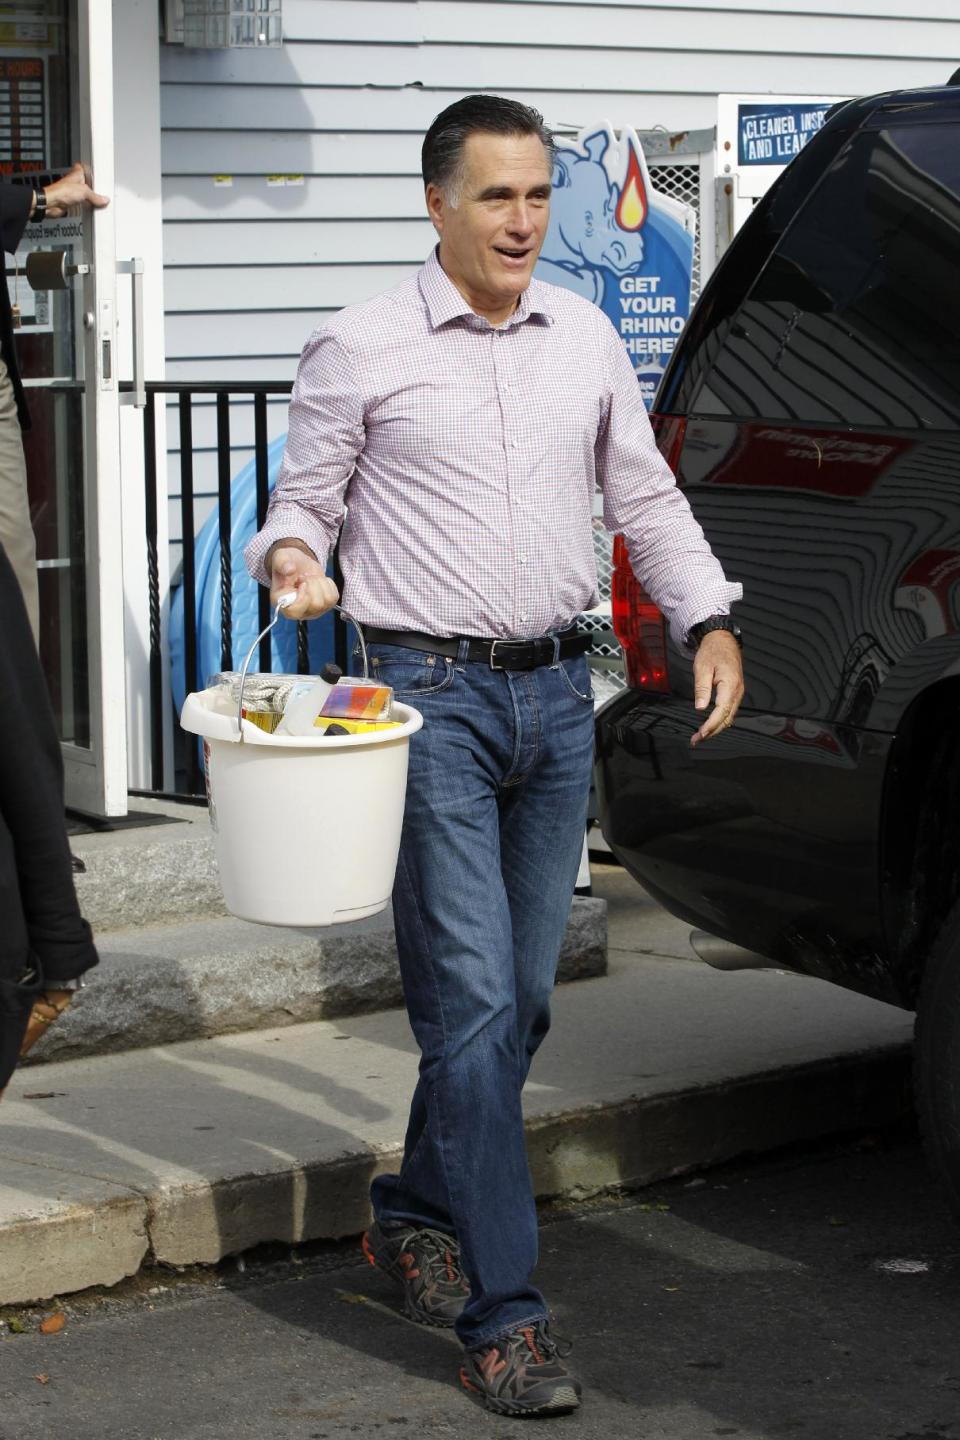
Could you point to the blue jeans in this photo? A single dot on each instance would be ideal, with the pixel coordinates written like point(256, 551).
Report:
point(492, 838)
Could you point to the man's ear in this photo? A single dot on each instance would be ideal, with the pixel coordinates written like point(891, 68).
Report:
point(436, 206)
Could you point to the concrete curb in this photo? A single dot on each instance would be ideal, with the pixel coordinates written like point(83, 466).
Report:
point(86, 1232)
point(573, 1155)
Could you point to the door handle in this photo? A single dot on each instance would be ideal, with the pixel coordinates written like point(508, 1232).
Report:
point(48, 270)
point(138, 395)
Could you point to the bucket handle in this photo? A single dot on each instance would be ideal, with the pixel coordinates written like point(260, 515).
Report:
point(282, 602)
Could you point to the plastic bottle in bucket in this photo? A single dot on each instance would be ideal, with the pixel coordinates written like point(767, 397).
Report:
point(306, 827)
point(301, 711)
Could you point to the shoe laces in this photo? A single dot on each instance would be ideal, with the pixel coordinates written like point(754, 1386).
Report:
point(542, 1345)
point(441, 1253)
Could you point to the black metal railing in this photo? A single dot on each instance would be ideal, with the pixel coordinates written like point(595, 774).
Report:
point(189, 779)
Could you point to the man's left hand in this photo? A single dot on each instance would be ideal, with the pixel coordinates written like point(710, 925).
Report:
point(718, 671)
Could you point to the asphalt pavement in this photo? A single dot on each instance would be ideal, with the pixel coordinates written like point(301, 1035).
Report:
point(815, 1294)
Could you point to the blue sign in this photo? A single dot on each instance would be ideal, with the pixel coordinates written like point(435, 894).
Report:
point(621, 244)
point(773, 134)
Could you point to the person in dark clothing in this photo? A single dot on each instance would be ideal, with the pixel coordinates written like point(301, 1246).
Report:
point(20, 203)
point(45, 945)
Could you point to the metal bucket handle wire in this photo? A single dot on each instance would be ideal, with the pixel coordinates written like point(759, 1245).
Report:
point(282, 603)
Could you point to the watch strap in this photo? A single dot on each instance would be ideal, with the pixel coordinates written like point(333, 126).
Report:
point(713, 622)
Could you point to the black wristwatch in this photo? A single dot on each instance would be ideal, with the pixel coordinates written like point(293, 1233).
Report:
point(713, 622)
point(39, 208)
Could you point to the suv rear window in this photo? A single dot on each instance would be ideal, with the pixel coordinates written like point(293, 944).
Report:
point(856, 316)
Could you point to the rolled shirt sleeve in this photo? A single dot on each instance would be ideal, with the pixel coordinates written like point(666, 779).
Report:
point(325, 436)
point(668, 551)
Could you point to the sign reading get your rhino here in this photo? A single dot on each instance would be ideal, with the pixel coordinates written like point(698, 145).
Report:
point(628, 247)
point(619, 242)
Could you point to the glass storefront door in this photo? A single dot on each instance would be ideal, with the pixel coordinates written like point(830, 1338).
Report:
point(55, 108)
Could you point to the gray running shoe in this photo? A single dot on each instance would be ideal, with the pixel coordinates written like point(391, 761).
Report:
point(426, 1263)
point(521, 1373)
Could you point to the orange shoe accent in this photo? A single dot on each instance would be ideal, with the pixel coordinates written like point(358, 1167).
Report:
point(531, 1339)
point(468, 1384)
point(365, 1247)
point(490, 1366)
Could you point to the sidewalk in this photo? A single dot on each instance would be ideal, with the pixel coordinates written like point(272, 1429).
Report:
point(187, 1152)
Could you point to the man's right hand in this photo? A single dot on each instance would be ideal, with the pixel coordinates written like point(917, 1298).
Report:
point(74, 188)
point(292, 570)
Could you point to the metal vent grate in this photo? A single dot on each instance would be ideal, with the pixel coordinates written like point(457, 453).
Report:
point(682, 182)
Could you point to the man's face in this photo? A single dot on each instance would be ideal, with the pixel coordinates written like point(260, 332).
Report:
point(490, 242)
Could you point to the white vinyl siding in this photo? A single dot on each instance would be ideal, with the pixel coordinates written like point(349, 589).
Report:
point(251, 268)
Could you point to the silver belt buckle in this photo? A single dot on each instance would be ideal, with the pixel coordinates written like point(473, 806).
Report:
point(493, 651)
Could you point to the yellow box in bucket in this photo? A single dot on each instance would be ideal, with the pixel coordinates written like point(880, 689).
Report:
point(352, 727)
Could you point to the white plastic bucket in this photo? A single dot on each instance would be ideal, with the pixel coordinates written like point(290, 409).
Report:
point(306, 830)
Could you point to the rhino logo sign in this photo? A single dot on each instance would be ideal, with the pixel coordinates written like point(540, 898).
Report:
point(621, 244)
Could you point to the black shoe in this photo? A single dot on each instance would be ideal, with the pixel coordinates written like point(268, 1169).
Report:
point(426, 1263)
point(521, 1373)
point(79, 867)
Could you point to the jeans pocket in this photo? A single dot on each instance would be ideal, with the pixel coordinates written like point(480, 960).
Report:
point(412, 674)
point(576, 674)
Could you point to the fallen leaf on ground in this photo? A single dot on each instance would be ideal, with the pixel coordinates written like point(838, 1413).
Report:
point(53, 1323)
point(16, 1327)
point(349, 1298)
point(44, 1379)
point(43, 1094)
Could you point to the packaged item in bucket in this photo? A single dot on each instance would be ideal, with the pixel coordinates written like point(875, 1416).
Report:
point(266, 698)
point(353, 698)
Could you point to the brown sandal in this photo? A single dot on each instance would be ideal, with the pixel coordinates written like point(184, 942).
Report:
point(48, 1006)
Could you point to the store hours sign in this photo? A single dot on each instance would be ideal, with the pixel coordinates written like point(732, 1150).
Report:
point(619, 242)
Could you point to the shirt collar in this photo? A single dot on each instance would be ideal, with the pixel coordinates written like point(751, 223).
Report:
point(445, 303)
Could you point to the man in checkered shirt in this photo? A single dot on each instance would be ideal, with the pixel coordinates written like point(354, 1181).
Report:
point(457, 427)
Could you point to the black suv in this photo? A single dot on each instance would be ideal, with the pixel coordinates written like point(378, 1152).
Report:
point(812, 416)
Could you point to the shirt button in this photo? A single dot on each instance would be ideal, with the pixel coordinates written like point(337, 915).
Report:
point(522, 559)
point(523, 617)
point(513, 445)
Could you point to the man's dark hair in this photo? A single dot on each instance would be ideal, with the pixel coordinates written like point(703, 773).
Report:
point(442, 154)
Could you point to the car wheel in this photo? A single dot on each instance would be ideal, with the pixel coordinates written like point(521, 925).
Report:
point(937, 1059)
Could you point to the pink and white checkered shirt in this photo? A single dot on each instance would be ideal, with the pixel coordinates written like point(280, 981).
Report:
point(467, 456)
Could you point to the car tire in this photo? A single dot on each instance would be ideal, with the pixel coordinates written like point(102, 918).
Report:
point(936, 1064)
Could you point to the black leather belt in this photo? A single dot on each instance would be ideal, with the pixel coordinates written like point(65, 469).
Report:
point(498, 654)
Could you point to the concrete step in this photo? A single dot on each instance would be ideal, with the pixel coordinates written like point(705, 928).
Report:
point(157, 984)
point(150, 874)
point(189, 1152)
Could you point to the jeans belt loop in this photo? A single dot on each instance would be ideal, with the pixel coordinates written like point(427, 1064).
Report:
point(463, 655)
point(555, 663)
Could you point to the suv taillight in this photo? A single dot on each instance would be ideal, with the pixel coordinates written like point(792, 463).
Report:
point(637, 623)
